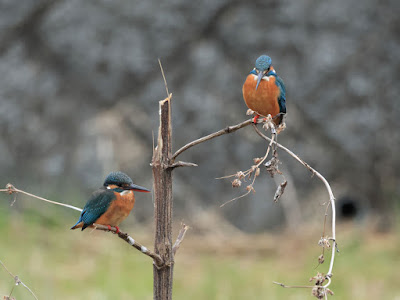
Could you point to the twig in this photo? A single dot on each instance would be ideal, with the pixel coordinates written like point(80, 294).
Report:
point(248, 172)
point(17, 281)
point(293, 286)
point(180, 238)
point(331, 199)
point(158, 261)
point(10, 189)
point(163, 75)
point(226, 130)
point(182, 164)
point(254, 168)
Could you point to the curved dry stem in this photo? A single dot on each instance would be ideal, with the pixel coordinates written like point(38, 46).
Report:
point(331, 199)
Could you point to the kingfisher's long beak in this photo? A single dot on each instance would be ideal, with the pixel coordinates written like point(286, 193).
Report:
point(137, 188)
point(260, 76)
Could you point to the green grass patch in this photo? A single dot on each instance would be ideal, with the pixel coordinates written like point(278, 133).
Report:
point(58, 263)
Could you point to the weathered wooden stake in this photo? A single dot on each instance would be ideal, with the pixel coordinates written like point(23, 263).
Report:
point(162, 174)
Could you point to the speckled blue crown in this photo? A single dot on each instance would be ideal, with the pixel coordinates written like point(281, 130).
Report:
point(117, 178)
point(263, 62)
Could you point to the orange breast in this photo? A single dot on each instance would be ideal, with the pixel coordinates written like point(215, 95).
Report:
point(119, 209)
point(264, 100)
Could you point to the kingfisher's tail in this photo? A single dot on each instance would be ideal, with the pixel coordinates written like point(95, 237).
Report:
point(79, 224)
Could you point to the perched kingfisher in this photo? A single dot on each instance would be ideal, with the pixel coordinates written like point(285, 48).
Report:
point(110, 204)
point(264, 91)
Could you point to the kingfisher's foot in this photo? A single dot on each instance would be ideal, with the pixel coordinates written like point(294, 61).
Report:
point(117, 228)
point(109, 227)
point(255, 119)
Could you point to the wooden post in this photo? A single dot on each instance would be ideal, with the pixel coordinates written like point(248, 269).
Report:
point(162, 174)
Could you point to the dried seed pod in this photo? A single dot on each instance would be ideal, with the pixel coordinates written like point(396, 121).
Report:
point(240, 175)
point(257, 160)
point(250, 188)
point(321, 259)
point(236, 183)
point(324, 242)
point(319, 278)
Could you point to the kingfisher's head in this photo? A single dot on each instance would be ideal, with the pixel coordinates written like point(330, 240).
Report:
point(121, 180)
point(262, 67)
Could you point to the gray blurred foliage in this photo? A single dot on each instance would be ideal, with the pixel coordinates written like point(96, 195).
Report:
point(80, 87)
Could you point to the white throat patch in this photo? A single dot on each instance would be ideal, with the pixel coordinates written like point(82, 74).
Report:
point(264, 78)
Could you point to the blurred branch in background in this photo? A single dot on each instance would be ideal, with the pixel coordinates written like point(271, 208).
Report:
point(17, 282)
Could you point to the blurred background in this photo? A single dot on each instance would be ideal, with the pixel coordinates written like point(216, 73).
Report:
point(79, 96)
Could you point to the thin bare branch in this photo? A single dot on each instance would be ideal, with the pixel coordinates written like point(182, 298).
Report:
point(182, 164)
point(10, 189)
point(158, 261)
point(180, 238)
point(4, 266)
point(226, 130)
point(317, 290)
point(18, 281)
point(293, 286)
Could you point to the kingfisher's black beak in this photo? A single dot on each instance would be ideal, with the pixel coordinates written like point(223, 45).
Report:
point(260, 76)
point(137, 188)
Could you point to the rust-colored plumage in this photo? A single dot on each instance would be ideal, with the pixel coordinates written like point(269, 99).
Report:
point(264, 91)
point(118, 210)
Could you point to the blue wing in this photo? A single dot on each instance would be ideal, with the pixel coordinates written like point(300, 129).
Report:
point(97, 205)
point(282, 95)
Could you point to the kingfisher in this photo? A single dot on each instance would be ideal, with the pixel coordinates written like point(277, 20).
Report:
point(110, 204)
point(264, 91)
